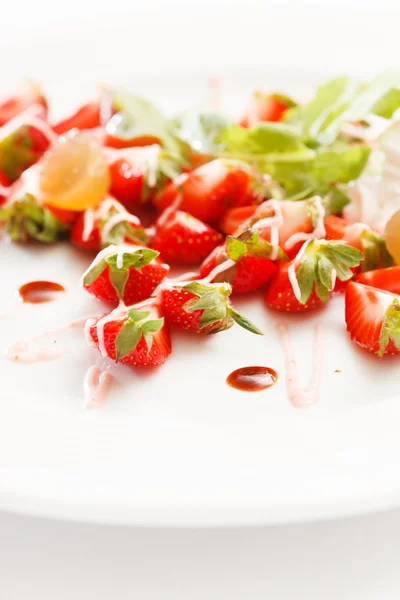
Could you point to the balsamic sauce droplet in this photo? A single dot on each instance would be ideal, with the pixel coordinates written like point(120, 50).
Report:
point(38, 292)
point(252, 379)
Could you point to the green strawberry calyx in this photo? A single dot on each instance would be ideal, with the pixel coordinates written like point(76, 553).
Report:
point(390, 330)
point(318, 264)
point(138, 324)
point(250, 242)
point(25, 219)
point(122, 230)
point(376, 255)
point(213, 300)
point(119, 260)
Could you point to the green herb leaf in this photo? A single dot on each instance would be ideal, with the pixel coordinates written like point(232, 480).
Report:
point(388, 104)
point(200, 130)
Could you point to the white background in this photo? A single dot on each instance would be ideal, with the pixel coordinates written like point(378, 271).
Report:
point(355, 558)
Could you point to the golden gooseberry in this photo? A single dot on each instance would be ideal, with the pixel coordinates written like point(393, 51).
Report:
point(392, 236)
point(75, 175)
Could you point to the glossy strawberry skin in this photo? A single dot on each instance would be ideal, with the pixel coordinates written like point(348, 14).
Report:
point(384, 279)
point(173, 302)
point(209, 191)
point(183, 239)
point(234, 217)
point(127, 183)
point(280, 295)
point(140, 356)
point(65, 217)
point(249, 273)
point(364, 317)
point(14, 106)
point(139, 286)
point(92, 243)
point(263, 108)
point(86, 117)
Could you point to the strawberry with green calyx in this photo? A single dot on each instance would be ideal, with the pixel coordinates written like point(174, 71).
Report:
point(208, 191)
point(100, 226)
point(133, 337)
point(251, 263)
point(307, 281)
point(203, 308)
point(126, 272)
point(24, 218)
point(266, 107)
point(20, 149)
point(184, 239)
point(361, 236)
point(373, 318)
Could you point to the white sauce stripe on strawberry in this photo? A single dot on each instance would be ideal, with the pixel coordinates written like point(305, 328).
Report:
point(145, 159)
point(88, 223)
point(29, 118)
point(319, 230)
point(119, 250)
point(274, 223)
point(115, 220)
point(292, 270)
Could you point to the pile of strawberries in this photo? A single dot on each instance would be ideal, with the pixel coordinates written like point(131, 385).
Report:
point(219, 217)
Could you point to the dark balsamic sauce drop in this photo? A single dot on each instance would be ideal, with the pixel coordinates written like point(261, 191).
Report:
point(252, 379)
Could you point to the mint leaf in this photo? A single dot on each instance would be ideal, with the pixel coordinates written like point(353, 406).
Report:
point(342, 166)
point(388, 104)
point(200, 130)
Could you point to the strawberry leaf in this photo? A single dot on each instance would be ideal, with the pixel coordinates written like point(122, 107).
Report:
point(213, 300)
point(135, 259)
point(118, 280)
point(153, 325)
point(138, 315)
point(390, 328)
point(127, 339)
point(250, 242)
point(244, 322)
point(124, 231)
point(94, 272)
point(375, 252)
point(318, 263)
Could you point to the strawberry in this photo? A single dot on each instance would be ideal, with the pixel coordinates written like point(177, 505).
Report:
point(360, 236)
point(265, 107)
point(24, 218)
point(127, 183)
point(126, 272)
point(373, 318)
point(12, 107)
point(184, 239)
point(306, 281)
point(20, 149)
point(209, 190)
point(86, 117)
point(294, 220)
point(234, 217)
point(133, 337)
point(247, 261)
point(383, 279)
point(94, 229)
point(202, 308)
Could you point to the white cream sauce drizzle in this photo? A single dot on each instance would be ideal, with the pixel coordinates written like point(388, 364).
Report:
point(302, 397)
point(318, 232)
point(28, 117)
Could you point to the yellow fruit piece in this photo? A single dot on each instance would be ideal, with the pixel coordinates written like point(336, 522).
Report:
point(392, 236)
point(75, 174)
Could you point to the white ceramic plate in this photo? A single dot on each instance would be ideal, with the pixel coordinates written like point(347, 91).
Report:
point(178, 446)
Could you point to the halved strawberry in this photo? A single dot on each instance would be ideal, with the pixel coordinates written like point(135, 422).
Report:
point(234, 217)
point(98, 227)
point(373, 318)
point(209, 190)
point(184, 239)
point(265, 107)
point(361, 236)
point(383, 279)
point(202, 308)
point(306, 281)
point(86, 117)
point(133, 337)
point(247, 259)
point(12, 107)
point(126, 272)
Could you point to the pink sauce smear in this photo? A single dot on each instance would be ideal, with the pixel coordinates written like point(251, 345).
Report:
point(19, 351)
point(302, 397)
point(96, 386)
